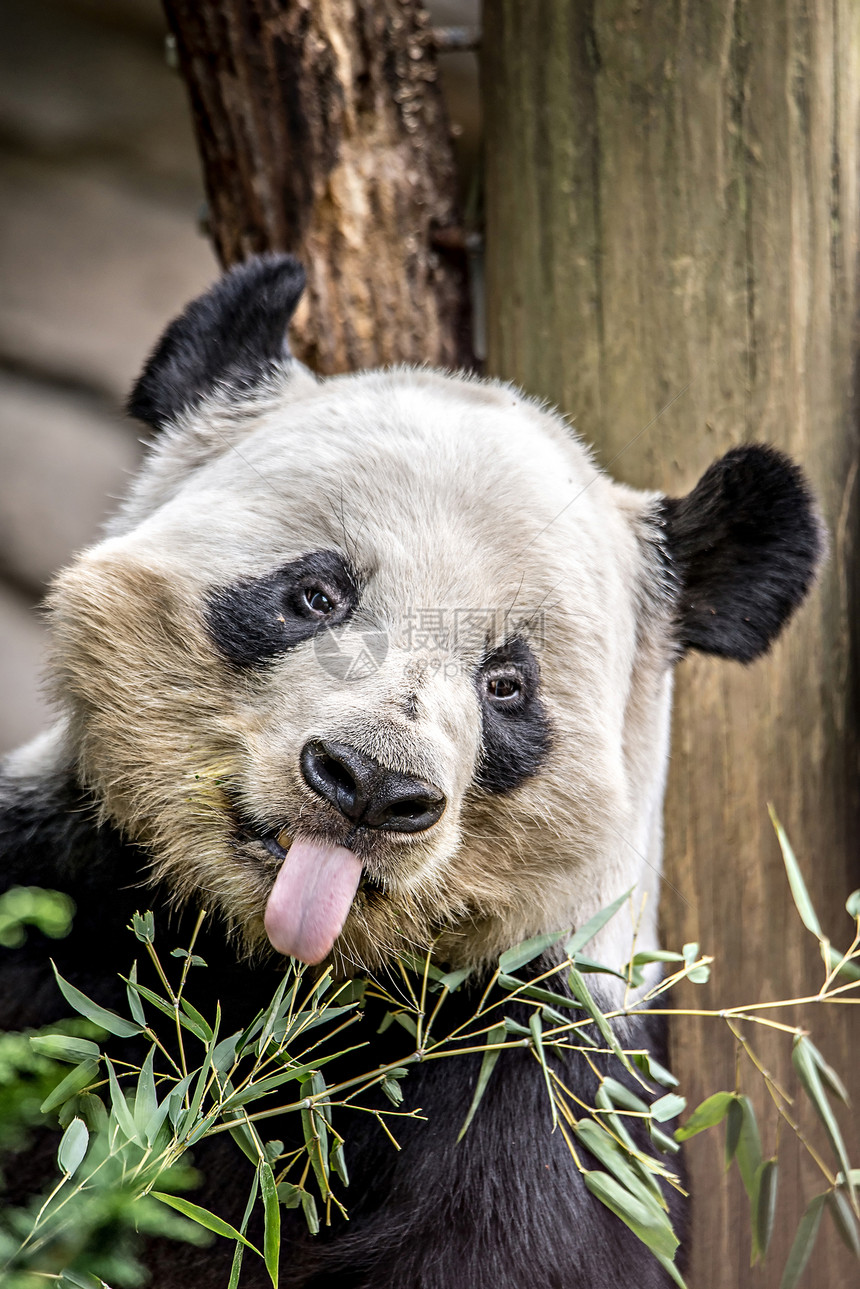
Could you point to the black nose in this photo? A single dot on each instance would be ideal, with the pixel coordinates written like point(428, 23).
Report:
point(363, 790)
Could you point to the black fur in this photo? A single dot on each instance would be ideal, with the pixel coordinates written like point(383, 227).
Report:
point(232, 337)
point(505, 1207)
point(516, 734)
point(744, 546)
point(258, 618)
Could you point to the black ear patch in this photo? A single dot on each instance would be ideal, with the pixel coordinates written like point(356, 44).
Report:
point(744, 546)
point(233, 335)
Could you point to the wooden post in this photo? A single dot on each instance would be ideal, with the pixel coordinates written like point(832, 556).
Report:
point(672, 252)
point(321, 131)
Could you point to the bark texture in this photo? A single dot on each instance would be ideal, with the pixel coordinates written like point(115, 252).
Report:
point(672, 253)
point(322, 132)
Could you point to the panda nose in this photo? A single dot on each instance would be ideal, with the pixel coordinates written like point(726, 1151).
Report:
point(363, 790)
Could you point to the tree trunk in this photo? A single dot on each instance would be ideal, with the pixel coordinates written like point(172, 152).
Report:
point(322, 132)
point(672, 251)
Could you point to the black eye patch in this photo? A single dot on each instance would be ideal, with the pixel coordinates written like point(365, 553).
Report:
point(258, 618)
point(516, 735)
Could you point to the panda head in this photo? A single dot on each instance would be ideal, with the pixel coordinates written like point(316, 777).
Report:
point(385, 660)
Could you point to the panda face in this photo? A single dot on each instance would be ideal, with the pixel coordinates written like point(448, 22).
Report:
point(373, 663)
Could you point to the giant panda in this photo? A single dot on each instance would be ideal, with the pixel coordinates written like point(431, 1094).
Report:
point(424, 647)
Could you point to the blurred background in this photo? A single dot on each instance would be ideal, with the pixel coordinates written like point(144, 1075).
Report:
point(100, 245)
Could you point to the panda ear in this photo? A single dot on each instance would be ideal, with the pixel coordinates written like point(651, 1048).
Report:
point(232, 336)
point(743, 546)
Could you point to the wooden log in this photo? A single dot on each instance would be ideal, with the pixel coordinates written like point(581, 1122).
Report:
point(672, 251)
point(322, 132)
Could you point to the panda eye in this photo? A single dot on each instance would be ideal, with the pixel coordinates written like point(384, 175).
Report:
point(319, 603)
point(503, 688)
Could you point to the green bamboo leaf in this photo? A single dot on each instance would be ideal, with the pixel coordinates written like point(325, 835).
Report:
point(272, 1221)
point(800, 894)
point(123, 1115)
point(671, 1270)
point(852, 904)
point(75, 1081)
point(734, 1123)
point(157, 1001)
point(849, 969)
point(199, 1024)
point(645, 956)
point(135, 1006)
point(804, 1242)
point(203, 1217)
point(496, 1035)
point(763, 1209)
point(145, 1100)
point(143, 926)
point(646, 1220)
point(622, 1096)
point(844, 1219)
point(588, 966)
point(581, 991)
point(828, 1075)
point(73, 1147)
point(589, 929)
point(615, 1160)
point(711, 1111)
point(239, 1251)
point(652, 1069)
point(289, 1194)
point(310, 1210)
point(337, 1161)
point(98, 1015)
point(537, 1041)
point(748, 1153)
point(454, 979)
point(668, 1107)
point(152, 1127)
point(517, 957)
point(61, 1047)
point(807, 1071)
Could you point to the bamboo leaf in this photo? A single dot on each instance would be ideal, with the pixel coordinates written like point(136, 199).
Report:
point(668, 1107)
point(198, 1024)
point(145, 1101)
point(804, 1243)
point(517, 957)
point(203, 1217)
point(748, 1153)
point(589, 929)
point(272, 1221)
point(73, 1147)
point(74, 1082)
point(844, 1219)
point(808, 1073)
point(98, 1015)
point(581, 991)
point(614, 1159)
point(800, 894)
point(239, 1251)
point(711, 1111)
point(61, 1047)
point(734, 1123)
point(646, 1220)
point(652, 1069)
point(310, 1210)
point(496, 1035)
point(135, 1006)
point(828, 1075)
point(764, 1206)
point(852, 904)
point(123, 1115)
point(143, 926)
point(537, 1041)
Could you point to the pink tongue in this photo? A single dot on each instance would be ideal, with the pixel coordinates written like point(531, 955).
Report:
point(311, 898)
